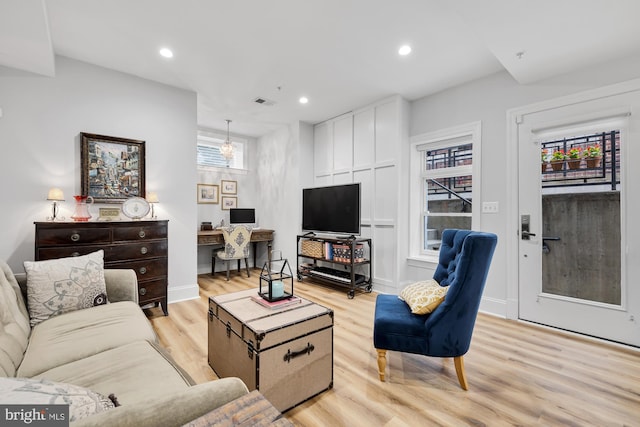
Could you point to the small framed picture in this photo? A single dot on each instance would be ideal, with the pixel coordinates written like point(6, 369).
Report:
point(229, 187)
point(208, 193)
point(229, 202)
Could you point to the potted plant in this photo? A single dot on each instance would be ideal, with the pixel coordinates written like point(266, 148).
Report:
point(593, 156)
point(544, 159)
point(557, 160)
point(574, 158)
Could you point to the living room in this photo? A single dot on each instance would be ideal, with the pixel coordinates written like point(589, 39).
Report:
point(42, 118)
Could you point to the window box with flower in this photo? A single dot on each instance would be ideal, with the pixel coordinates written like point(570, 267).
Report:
point(557, 160)
point(574, 158)
point(544, 159)
point(593, 156)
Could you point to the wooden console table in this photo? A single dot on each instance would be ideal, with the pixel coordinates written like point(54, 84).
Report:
point(215, 237)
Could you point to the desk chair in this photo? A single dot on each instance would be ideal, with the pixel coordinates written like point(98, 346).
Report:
point(236, 246)
point(465, 257)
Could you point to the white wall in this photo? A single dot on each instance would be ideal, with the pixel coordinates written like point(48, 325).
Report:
point(367, 146)
point(488, 100)
point(39, 136)
point(285, 160)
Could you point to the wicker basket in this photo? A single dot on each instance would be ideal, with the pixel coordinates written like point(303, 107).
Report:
point(312, 248)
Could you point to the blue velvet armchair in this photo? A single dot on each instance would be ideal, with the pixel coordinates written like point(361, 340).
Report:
point(465, 257)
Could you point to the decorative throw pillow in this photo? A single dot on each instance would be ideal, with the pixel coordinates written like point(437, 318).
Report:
point(423, 297)
point(26, 391)
point(61, 285)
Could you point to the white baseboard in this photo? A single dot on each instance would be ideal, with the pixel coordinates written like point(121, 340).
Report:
point(493, 306)
point(183, 293)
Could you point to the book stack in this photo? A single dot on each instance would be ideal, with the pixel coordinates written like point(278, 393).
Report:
point(274, 305)
point(328, 251)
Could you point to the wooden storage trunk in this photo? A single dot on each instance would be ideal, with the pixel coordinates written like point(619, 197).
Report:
point(285, 353)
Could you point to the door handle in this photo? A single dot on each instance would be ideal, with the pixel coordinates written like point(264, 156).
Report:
point(525, 221)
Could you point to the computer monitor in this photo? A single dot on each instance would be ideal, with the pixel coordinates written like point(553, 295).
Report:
point(242, 216)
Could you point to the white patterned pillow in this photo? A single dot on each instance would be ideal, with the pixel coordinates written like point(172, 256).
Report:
point(423, 297)
point(62, 285)
point(26, 391)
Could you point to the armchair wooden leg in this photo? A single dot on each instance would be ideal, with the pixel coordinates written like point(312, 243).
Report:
point(382, 362)
point(459, 362)
point(213, 265)
point(246, 265)
point(227, 262)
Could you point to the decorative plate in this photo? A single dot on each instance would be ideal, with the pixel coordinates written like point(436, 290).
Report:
point(135, 207)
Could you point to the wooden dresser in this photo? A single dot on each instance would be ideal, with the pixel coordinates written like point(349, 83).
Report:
point(138, 245)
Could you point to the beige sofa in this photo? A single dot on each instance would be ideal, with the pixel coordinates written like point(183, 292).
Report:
point(109, 349)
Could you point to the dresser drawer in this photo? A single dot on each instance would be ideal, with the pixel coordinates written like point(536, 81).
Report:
point(69, 251)
point(146, 269)
point(150, 249)
point(139, 233)
point(73, 236)
point(152, 290)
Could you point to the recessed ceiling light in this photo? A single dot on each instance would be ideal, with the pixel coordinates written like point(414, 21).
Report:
point(166, 52)
point(404, 50)
point(303, 100)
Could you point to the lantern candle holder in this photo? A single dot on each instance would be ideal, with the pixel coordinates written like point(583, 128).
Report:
point(276, 279)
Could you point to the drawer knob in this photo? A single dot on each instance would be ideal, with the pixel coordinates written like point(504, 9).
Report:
point(75, 254)
point(141, 234)
point(143, 291)
point(143, 250)
point(75, 237)
point(143, 270)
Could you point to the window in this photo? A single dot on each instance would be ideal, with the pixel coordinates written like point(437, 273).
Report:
point(443, 185)
point(209, 151)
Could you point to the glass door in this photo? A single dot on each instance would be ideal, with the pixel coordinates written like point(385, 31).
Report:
point(571, 243)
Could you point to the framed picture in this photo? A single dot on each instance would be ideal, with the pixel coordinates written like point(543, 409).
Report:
point(229, 202)
point(208, 193)
point(229, 187)
point(112, 169)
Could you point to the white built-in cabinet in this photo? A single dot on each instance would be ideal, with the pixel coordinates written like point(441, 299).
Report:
point(368, 146)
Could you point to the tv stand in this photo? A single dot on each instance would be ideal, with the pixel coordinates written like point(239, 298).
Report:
point(335, 261)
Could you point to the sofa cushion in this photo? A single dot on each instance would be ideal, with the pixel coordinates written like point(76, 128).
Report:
point(14, 323)
point(26, 391)
point(136, 372)
point(79, 334)
point(62, 285)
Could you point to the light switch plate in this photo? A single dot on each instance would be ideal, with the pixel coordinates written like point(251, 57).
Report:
point(489, 207)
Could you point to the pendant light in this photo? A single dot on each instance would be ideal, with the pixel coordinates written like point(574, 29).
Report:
point(227, 149)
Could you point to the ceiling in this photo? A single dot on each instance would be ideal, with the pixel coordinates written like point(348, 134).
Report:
point(341, 54)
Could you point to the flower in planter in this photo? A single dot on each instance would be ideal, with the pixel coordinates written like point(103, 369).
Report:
point(558, 155)
point(574, 153)
point(544, 156)
point(593, 151)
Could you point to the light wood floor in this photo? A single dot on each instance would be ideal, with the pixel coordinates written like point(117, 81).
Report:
point(519, 374)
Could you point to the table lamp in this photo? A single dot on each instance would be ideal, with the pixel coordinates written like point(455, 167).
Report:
point(152, 198)
point(56, 195)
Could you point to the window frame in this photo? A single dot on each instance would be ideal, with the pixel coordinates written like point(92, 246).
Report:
point(469, 133)
point(216, 139)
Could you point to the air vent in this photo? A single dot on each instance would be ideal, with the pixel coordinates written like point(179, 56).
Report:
point(264, 101)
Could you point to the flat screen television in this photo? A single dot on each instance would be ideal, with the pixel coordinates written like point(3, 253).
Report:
point(333, 209)
point(242, 216)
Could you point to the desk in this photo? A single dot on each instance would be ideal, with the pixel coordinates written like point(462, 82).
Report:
point(215, 237)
